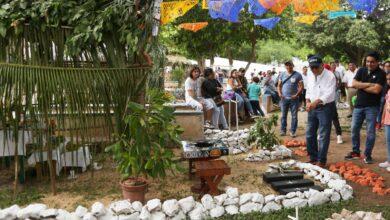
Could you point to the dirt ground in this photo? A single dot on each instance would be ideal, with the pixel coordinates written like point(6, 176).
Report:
point(247, 176)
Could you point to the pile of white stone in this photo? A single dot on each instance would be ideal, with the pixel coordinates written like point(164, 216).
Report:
point(229, 203)
point(235, 140)
point(360, 215)
point(277, 152)
point(337, 188)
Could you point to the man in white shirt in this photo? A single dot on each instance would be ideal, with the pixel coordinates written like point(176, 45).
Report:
point(341, 69)
point(320, 96)
point(347, 80)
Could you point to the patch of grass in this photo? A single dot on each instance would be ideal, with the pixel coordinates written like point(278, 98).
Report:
point(27, 196)
point(316, 212)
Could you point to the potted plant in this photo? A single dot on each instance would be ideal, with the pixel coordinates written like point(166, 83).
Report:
point(263, 133)
point(142, 149)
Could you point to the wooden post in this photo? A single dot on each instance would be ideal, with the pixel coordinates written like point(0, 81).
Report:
point(16, 164)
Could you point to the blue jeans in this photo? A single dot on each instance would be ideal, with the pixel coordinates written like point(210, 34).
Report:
point(274, 95)
point(292, 105)
point(387, 130)
point(319, 120)
point(359, 115)
point(240, 100)
point(244, 101)
point(218, 116)
point(379, 117)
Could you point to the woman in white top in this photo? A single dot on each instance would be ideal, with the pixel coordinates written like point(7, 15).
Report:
point(234, 87)
point(191, 91)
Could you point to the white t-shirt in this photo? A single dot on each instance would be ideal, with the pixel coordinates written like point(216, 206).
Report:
point(190, 84)
point(348, 77)
point(304, 78)
point(341, 70)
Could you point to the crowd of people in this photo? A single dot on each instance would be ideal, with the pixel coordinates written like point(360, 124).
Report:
point(317, 89)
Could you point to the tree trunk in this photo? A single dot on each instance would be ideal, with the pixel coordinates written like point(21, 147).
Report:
point(212, 61)
point(253, 54)
point(16, 157)
point(230, 57)
point(201, 63)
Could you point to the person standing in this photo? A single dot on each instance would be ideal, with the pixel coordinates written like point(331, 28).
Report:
point(347, 80)
point(302, 97)
point(254, 91)
point(335, 119)
point(320, 97)
point(212, 91)
point(386, 123)
point(369, 81)
point(290, 87)
point(341, 70)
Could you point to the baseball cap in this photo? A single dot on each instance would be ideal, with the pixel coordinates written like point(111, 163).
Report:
point(315, 61)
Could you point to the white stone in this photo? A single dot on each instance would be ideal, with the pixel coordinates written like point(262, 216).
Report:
point(170, 207)
point(269, 198)
point(219, 200)
point(157, 216)
point(294, 202)
point(48, 213)
point(137, 206)
point(231, 201)
point(65, 215)
point(232, 192)
point(271, 206)
point(208, 202)
point(336, 184)
point(109, 216)
point(145, 214)
point(335, 197)
point(153, 205)
point(231, 209)
point(258, 198)
point(329, 192)
point(279, 198)
point(89, 216)
point(360, 214)
point(217, 212)
point(31, 211)
point(318, 198)
point(179, 216)
point(10, 212)
point(291, 195)
point(346, 192)
point(187, 204)
point(246, 197)
point(248, 208)
point(197, 213)
point(134, 216)
point(98, 209)
point(80, 211)
point(122, 207)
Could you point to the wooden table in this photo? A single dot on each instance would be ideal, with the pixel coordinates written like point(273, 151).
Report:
point(211, 173)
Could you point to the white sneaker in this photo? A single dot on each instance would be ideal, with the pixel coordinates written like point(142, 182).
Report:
point(339, 139)
point(385, 164)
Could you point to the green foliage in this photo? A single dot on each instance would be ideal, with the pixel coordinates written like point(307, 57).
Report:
point(142, 149)
point(280, 51)
point(263, 133)
point(118, 32)
point(178, 74)
point(27, 196)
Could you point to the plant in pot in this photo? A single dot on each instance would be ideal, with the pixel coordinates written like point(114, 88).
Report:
point(142, 149)
point(263, 133)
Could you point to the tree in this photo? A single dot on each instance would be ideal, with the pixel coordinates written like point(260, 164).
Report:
point(349, 39)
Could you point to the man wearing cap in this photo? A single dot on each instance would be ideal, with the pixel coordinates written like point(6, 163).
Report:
point(369, 81)
point(290, 87)
point(320, 96)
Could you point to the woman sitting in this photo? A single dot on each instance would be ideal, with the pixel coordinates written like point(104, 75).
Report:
point(234, 90)
point(191, 89)
point(212, 90)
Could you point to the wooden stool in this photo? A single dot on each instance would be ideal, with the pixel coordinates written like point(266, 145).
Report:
point(211, 173)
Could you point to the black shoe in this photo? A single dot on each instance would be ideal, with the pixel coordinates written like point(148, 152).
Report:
point(352, 156)
point(368, 160)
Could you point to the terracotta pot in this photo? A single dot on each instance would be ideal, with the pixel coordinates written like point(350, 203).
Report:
point(136, 192)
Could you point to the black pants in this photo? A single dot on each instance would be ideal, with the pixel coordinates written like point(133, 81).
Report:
point(302, 97)
point(256, 107)
point(335, 119)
